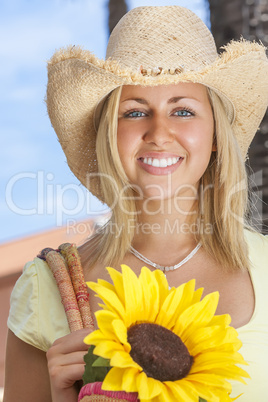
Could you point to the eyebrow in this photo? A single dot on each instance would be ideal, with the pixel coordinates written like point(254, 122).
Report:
point(174, 99)
point(138, 100)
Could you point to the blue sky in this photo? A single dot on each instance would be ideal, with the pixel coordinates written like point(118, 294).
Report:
point(37, 189)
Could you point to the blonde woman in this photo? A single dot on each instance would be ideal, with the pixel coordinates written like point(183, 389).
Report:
point(160, 133)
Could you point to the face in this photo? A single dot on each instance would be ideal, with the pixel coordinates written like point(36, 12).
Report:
point(165, 137)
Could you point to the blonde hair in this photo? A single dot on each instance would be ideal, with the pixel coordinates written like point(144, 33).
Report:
point(225, 195)
point(222, 203)
point(105, 245)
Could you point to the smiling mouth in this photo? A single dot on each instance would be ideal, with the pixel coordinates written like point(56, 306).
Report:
point(162, 162)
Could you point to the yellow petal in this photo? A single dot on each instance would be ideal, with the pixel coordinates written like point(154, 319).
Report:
point(182, 392)
point(175, 304)
point(223, 320)
point(120, 331)
point(117, 279)
point(170, 305)
point(150, 291)
point(133, 295)
point(207, 393)
point(162, 285)
point(113, 380)
point(147, 387)
point(129, 379)
point(95, 337)
point(165, 394)
point(214, 359)
point(104, 319)
point(196, 316)
point(212, 337)
point(197, 295)
point(238, 396)
point(210, 380)
point(189, 294)
point(124, 360)
point(109, 297)
point(232, 373)
point(103, 306)
point(108, 349)
point(106, 284)
point(233, 345)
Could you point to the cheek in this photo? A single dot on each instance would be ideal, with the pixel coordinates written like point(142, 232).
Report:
point(122, 140)
point(200, 139)
point(127, 140)
point(126, 147)
point(120, 143)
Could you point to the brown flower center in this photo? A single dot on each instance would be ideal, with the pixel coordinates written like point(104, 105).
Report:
point(159, 351)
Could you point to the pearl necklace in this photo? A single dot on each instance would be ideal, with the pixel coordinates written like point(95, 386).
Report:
point(163, 268)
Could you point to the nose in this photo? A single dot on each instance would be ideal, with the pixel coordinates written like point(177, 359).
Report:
point(158, 132)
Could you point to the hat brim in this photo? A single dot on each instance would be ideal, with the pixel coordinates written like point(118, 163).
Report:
point(78, 82)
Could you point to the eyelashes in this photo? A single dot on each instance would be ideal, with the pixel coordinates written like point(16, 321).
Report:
point(180, 112)
point(184, 112)
point(134, 114)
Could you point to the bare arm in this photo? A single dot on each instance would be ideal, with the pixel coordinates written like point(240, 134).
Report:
point(32, 375)
point(66, 365)
point(26, 373)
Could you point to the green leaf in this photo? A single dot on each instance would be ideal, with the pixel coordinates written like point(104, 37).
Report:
point(202, 400)
point(93, 374)
point(101, 362)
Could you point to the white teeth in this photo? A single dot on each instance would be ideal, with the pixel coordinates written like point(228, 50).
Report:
point(169, 161)
point(163, 162)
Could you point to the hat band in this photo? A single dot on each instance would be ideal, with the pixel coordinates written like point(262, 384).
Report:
point(153, 72)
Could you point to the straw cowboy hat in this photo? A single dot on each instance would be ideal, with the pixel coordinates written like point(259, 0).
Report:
point(152, 46)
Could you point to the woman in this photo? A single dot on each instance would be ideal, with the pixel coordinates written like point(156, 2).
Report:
point(174, 122)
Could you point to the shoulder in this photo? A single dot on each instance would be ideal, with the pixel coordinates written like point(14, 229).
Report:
point(87, 252)
point(257, 253)
point(36, 280)
point(36, 313)
point(255, 237)
point(257, 242)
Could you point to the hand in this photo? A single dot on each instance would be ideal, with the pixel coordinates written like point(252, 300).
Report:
point(66, 365)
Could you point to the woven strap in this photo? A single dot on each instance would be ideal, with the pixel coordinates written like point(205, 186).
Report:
point(94, 392)
point(101, 398)
point(66, 267)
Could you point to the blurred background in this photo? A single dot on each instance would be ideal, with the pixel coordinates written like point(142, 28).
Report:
point(38, 192)
point(40, 197)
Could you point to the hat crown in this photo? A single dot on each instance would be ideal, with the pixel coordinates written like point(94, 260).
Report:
point(165, 36)
point(152, 38)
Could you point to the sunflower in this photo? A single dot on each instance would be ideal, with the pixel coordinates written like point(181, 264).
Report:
point(166, 344)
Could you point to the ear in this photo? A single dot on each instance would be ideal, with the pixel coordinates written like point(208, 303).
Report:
point(214, 144)
point(214, 147)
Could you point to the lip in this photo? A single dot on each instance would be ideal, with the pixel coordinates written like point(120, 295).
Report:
point(159, 155)
point(159, 171)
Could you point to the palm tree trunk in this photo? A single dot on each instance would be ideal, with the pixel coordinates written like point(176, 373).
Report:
point(231, 19)
point(117, 8)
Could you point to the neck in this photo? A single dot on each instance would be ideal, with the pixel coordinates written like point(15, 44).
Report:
point(164, 227)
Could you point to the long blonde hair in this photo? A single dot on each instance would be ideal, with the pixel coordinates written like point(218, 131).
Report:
point(225, 195)
point(223, 192)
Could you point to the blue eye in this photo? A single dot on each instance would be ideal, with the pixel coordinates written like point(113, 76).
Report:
point(134, 113)
point(184, 113)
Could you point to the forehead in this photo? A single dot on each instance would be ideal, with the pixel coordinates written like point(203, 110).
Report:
point(185, 90)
